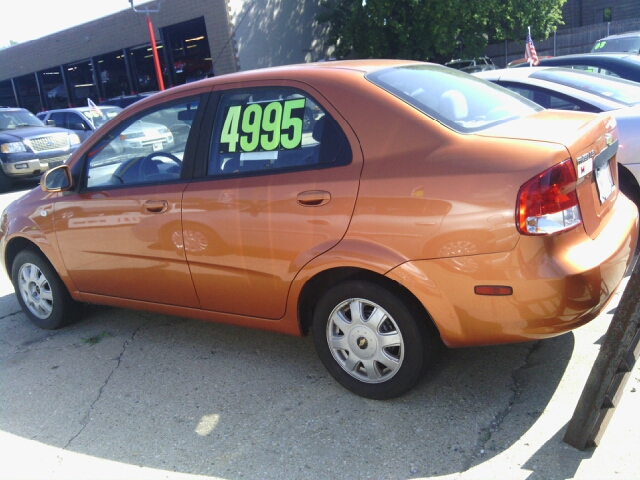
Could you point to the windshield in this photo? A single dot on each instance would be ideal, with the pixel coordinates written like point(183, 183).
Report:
point(611, 88)
point(12, 119)
point(625, 44)
point(458, 100)
point(101, 115)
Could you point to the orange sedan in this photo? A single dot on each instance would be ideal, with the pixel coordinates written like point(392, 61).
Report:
point(382, 206)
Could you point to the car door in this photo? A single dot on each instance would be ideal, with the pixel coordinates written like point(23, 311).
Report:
point(278, 189)
point(120, 234)
point(79, 125)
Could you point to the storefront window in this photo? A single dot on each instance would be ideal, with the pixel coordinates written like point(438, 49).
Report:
point(28, 93)
point(189, 50)
point(145, 70)
point(113, 74)
point(54, 89)
point(7, 98)
point(81, 83)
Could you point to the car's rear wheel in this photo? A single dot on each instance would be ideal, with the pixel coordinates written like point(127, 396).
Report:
point(41, 294)
point(370, 340)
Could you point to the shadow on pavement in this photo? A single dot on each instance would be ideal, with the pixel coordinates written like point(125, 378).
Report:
point(556, 452)
point(193, 397)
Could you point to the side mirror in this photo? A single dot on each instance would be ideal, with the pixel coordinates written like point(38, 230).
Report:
point(51, 123)
point(57, 179)
point(78, 126)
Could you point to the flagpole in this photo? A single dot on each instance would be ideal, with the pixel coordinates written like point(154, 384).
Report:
point(530, 58)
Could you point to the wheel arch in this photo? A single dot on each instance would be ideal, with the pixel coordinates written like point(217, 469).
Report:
point(626, 178)
point(15, 246)
point(317, 285)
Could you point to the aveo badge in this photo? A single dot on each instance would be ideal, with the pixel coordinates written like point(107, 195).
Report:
point(585, 163)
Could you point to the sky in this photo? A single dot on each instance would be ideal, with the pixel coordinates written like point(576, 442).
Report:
point(24, 20)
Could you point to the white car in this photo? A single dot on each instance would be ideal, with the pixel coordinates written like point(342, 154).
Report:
point(579, 90)
point(146, 136)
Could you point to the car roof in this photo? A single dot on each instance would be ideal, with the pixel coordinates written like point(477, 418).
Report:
point(299, 72)
point(621, 35)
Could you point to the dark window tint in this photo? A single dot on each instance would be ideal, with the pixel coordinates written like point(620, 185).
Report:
point(273, 129)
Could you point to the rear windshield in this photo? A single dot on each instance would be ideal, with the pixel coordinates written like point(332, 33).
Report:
point(626, 44)
point(622, 91)
point(458, 100)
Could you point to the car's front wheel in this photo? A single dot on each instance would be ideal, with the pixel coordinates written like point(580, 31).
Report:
point(5, 182)
point(371, 341)
point(41, 294)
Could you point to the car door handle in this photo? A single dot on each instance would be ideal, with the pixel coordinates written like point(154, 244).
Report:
point(156, 206)
point(314, 198)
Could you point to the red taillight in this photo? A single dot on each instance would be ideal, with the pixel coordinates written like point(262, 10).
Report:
point(548, 203)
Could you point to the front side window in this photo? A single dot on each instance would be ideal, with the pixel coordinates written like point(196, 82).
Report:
point(263, 130)
point(148, 148)
point(458, 100)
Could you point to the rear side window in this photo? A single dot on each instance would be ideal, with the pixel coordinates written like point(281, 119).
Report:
point(618, 89)
point(456, 99)
point(263, 130)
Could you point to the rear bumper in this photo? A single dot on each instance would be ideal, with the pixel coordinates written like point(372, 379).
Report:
point(559, 283)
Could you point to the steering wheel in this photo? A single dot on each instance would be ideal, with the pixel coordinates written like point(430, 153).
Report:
point(170, 173)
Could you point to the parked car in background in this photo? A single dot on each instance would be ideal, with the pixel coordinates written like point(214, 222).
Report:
point(525, 60)
point(424, 204)
point(578, 90)
point(621, 65)
point(479, 64)
point(628, 42)
point(82, 120)
point(28, 148)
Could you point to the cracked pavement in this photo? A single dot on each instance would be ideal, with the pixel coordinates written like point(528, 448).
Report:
point(125, 394)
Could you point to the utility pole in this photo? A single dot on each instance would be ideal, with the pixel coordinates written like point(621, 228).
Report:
point(154, 49)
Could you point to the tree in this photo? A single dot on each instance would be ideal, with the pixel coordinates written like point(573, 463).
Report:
point(433, 29)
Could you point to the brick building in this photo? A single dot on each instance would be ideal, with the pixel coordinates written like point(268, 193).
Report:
point(112, 56)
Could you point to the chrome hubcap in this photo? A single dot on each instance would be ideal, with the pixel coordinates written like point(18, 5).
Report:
point(35, 290)
point(365, 340)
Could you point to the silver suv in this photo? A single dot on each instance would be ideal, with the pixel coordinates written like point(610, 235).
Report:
point(82, 120)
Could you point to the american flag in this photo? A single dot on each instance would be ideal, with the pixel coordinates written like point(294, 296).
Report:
point(530, 51)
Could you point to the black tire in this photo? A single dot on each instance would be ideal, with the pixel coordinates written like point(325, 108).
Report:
point(353, 358)
point(5, 182)
point(41, 294)
point(630, 189)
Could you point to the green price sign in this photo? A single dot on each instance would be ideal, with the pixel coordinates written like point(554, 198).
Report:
point(262, 127)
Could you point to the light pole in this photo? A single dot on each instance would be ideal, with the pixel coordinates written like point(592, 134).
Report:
point(156, 59)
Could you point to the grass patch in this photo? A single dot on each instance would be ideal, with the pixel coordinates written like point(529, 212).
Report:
point(95, 338)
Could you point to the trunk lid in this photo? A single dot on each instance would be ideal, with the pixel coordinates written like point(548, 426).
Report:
point(591, 142)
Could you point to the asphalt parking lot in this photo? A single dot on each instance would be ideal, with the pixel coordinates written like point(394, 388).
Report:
point(126, 394)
